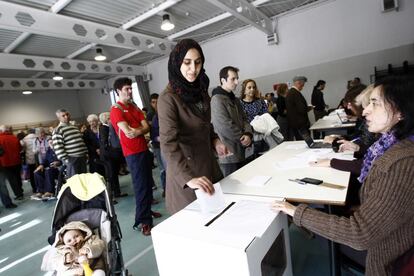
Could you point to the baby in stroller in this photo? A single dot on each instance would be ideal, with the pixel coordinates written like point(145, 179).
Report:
point(84, 201)
point(76, 244)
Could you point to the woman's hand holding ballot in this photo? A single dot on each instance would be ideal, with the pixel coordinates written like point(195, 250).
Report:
point(202, 183)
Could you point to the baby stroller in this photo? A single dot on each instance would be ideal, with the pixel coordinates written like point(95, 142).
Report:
point(85, 198)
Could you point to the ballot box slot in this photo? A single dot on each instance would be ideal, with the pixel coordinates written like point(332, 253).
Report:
point(220, 214)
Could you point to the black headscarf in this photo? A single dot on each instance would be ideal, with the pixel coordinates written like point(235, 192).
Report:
point(189, 92)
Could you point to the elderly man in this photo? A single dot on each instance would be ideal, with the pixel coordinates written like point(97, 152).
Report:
point(10, 166)
point(69, 145)
point(91, 138)
point(297, 109)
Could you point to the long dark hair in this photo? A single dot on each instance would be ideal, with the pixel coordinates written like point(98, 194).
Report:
point(243, 90)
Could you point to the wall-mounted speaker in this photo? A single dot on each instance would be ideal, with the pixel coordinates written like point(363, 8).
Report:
point(389, 5)
point(272, 39)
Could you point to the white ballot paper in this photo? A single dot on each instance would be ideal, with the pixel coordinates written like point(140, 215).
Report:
point(211, 203)
point(258, 180)
point(246, 218)
point(292, 163)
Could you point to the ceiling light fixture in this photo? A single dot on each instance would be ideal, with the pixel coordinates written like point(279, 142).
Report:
point(99, 55)
point(27, 92)
point(166, 24)
point(57, 77)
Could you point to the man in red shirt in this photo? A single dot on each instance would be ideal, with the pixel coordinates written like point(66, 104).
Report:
point(10, 166)
point(130, 125)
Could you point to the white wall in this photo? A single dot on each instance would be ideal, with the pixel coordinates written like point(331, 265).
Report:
point(337, 72)
point(93, 101)
point(335, 41)
point(16, 108)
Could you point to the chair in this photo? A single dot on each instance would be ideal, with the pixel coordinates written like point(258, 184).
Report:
point(352, 259)
point(404, 265)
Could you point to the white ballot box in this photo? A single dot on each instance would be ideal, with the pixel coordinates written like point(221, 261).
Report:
point(245, 238)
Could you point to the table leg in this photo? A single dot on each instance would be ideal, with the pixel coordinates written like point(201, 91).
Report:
point(334, 262)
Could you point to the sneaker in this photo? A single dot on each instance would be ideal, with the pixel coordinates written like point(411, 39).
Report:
point(146, 229)
point(136, 227)
point(123, 172)
point(47, 195)
point(155, 214)
point(36, 196)
point(20, 197)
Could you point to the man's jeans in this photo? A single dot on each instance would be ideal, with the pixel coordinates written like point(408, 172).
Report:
point(141, 174)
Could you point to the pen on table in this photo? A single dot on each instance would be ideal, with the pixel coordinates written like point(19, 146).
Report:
point(355, 140)
point(298, 181)
point(267, 180)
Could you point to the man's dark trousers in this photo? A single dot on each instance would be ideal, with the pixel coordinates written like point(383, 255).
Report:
point(142, 181)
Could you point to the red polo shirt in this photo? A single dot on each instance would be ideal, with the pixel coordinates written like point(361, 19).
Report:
point(133, 116)
point(11, 146)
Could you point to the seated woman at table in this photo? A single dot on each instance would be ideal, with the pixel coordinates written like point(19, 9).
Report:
point(384, 222)
point(359, 146)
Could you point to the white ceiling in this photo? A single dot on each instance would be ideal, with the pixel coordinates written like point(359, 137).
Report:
point(38, 36)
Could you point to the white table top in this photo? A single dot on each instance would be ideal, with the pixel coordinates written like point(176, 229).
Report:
point(330, 122)
point(280, 186)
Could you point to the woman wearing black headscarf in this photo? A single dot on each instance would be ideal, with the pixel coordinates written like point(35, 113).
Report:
point(187, 136)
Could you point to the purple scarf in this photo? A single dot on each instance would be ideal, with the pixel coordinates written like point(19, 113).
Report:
point(377, 149)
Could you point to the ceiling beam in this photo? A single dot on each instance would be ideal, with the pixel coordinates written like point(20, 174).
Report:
point(26, 19)
point(22, 37)
point(161, 7)
point(200, 25)
point(81, 50)
point(121, 58)
point(23, 84)
point(57, 7)
point(193, 28)
point(246, 12)
point(47, 64)
point(80, 76)
point(210, 21)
